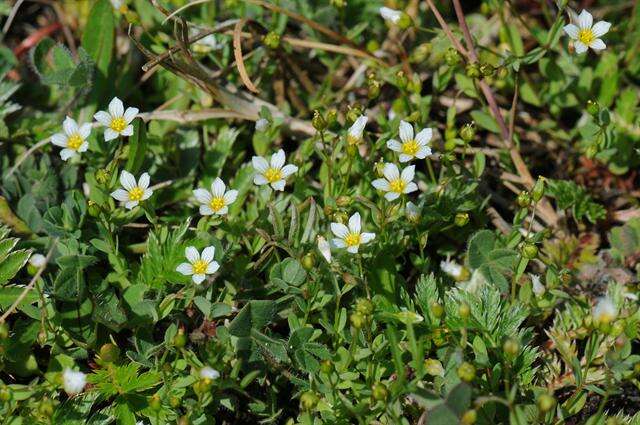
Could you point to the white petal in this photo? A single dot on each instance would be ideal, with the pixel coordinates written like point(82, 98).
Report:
point(277, 159)
point(391, 196)
point(212, 267)
point(203, 196)
point(405, 158)
point(110, 134)
point(287, 170)
point(198, 278)
point(207, 254)
point(103, 118)
point(70, 126)
point(223, 210)
point(130, 114)
point(340, 230)
point(411, 187)
point(354, 223)
point(217, 188)
point(391, 172)
point(279, 185)
point(571, 30)
point(131, 205)
point(598, 44)
point(85, 130)
point(585, 20)
point(408, 173)
point(338, 243)
point(127, 180)
point(357, 127)
point(205, 210)
point(367, 237)
point(580, 47)
point(59, 139)
point(424, 136)
point(259, 180)
point(185, 268)
point(260, 164)
point(230, 197)
point(67, 153)
point(381, 184)
point(406, 131)
point(116, 108)
point(394, 145)
point(143, 181)
point(423, 152)
point(192, 254)
point(601, 28)
point(353, 249)
point(146, 194)
point(128, 131)
point(83, 147)
point(120, 195)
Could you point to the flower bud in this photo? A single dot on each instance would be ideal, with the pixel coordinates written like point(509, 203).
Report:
point(401, 79)
point(524, 199)
point(155, 403)
point(373, 46)
point(352, 150)
point(318, 122)
point(617, 328)
point(469, 417)
point(180, 339)
point(309, 261)
point(538, 189)
point(364, 307)
point(357, 320)
point(452, 57)
point(461, 219)
point(466, 372)
point(109, 353)
point(308, 400)
point(93, 209)
point(271, 40)
point(4, 331)
point(338, 4)
point(5, 393)
point(436, 309)
point(487, 70)
point(545, 402)
point(433, 367)
point(326, 366)
point(373, 87)
point(593, 108)
point(530, 250)
point(405, 21)
point(421, 53)
point(331, 117)
point(511, 347)
point(468, 132)
point(45, 408)
point(473, 70)
point(379, 392)
point(102, 176)
point(464, 311)
point(340, 217)
point(502, 73)
point(175, 402)
point(354, 112)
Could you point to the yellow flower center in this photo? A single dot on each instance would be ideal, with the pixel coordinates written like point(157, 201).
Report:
point(586, 36)
point(74, 141)
point(136, 193)
point(118, 124)
point(273, 175)
point(199, 267)
point(410, 148)
point(397, 185)
point(352, 239)
point(353, 140)
point(216, 204)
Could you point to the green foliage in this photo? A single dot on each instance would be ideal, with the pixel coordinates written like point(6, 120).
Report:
point(572, 197)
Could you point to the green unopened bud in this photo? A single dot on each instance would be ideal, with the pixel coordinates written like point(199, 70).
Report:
point(352, 150)
point(530, 250)
point(468, 132)
point(466, 372)
point(538, 189)
point(436, 309)
point(401, 79)
point(364, 307)
point(449, 145)
point(545, 402)
point(175, 402)
point(438, 337)
point(461, 219)
point(5, 393)
point(373, 88)
point(421, 53)
point(353, 113)
point(593, 108)
point(469, 418)
point(452, 57)
point(464, 311)
point(405, 21)
point(93, 209)
point(271, 40)
point(309, 261)
point(487, 70)
point(473, 70)
point(379, 168)
point(155, 403)
point(308, 400)
point(357, 320)
point(343, 201)
point(379, 392)
point(326, 366)
point(180, 339)
point(524, 199)
point(511, 347)
point(340, 217)
point(109, 353)
point(373, 46)
point(331, 117)
point(102, 176)
point(318, 122)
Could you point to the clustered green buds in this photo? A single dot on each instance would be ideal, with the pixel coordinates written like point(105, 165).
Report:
point(452, 57)
point(362, 315)
point(364, 307)
point(473, 70)
point(271, 40)
point(102, 176)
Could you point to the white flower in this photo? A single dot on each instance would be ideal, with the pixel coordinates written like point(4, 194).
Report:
point(411, 147)
point(273, 173)
point(262, 124)
point(412, 212)
point(396, 183)
point(604, 311)
point(73, 140)
point(586, 34)
point(350, 237)
point(117, 120)
point(207, 44)
point(216, 201)
point(73, 382)
point(324, 248)
point(354, 134)
point(133, 193)
point(538, 287)
point(37, 260)
point(390, 15)
point(209, 373)
point(199, 265)
point(451, 268)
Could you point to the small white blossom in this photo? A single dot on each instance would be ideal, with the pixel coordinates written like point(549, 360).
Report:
point(209, 373)
point(585, 34)
point(324, 248)
point(395, 183)
point(37, 260)
point(73, 382)
point(412, 212)
point(451, 268)
point(351, 237)
point(216, 201)
point(390, 15)
point(199, 265)
point(117, 121)
point(133, 193)
point(354, 134)
point(262, 124)
point(537, 286)
point(411, 147)
point(74, 139)
point(273, 173)
point(604, 311)
point(207, 44)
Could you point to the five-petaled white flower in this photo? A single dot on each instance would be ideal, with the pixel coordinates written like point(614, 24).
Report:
point(216, 201)
point(199, 265)
point(390, 15)
point(209, 373)
point(411, 147)
point(73, 382)
point(74, 139)
point(412, 212)
point(273, 173)
point(605, 311)
point(586, 34)
point(351, 237)
point(354, 134)
point(133, 193)
point(396, 183)
point(117, 120)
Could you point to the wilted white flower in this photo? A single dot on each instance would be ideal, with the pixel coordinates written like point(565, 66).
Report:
point(37, 260)
point(351, 237)
point(133, 193)
point(262, 124)
point(537, 286)
point(604, 311)
point(396, 183)
point(209, 373)
point(411, 147)
point(73, 382)
point(199, 265)
point(354, 134)
point(216, 201)
point(451, 268)
point(390, 15)
point(273, 173)
point(585, 34)
point(324, 248)
point(74, 139)
point(412, 212)
point(117, 120)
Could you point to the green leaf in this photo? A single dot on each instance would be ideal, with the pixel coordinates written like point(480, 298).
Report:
point(137, 146)
point(256, 314)
point(98, 40)
point(485, 121)
point(12, 264)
